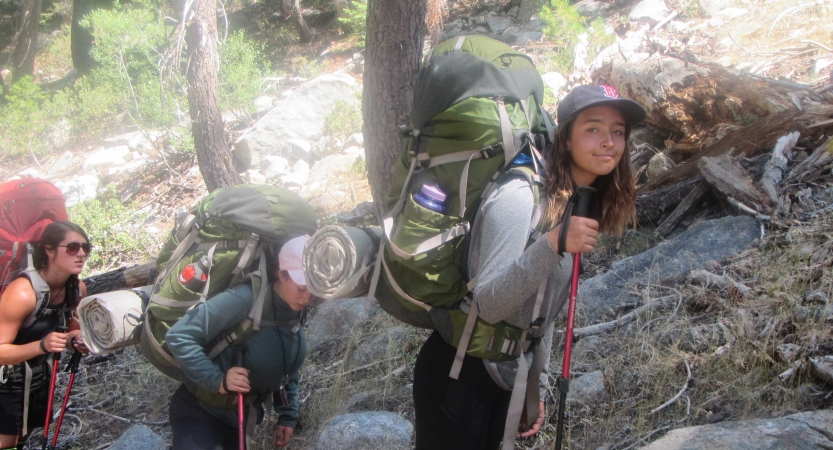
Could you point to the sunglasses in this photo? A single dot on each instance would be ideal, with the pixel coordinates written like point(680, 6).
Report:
point(73, 247)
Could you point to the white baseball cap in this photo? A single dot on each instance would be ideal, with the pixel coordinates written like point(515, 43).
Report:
point(291, 259)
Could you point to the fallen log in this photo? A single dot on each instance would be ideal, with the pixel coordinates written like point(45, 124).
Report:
point(701, 188)
point(652, 207)
point(745, 141)
point(732, 182)
point(123, 278)
point(777, 165)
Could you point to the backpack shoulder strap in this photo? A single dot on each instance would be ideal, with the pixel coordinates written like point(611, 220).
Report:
point(41, 289)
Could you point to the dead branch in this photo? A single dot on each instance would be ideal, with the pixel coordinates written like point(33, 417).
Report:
point(821, 370)
point(777, 165)
point(710, 279)
point(366, 366)
point(664, 21)
point(745, 209)
point(679, 394)
point(620, 322)
point(789, 373)
point(808, 41)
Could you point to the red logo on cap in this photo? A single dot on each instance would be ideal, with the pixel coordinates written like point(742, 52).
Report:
point(610, 91)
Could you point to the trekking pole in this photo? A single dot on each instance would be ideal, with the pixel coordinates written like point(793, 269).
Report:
point(56, 359)
point(72, 368)
point(583, 205)
point(241, 432)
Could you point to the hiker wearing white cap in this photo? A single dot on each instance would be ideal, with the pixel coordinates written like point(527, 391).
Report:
point(271, 357)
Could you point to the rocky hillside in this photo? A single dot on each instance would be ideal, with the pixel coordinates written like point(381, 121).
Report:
point(708, 324)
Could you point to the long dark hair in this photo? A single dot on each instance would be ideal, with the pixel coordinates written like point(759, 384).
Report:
point(616, 190)
point(52, 236)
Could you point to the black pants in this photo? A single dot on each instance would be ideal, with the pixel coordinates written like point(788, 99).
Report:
point(194, 428)
point(462, 414)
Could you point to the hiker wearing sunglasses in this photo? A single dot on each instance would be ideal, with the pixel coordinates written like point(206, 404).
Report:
point(590, 149)
point(32, 307)
point(265, 364)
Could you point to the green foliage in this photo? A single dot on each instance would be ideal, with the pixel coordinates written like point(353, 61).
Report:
point(354, 19)
point(22, 124)
point(306, 68)
point(242, 67)
point(744, 118)
point(564, 25)
point(117, 232)
point(344, 120)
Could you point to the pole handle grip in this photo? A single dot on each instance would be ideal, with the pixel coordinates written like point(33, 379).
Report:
point(583, 196)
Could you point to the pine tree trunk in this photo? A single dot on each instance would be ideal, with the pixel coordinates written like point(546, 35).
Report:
point(213, 152)
point(23, 58)
point(304, 30)
point(392, 55)
point(81, 39)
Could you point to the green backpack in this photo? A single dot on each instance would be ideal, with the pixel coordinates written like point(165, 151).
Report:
point(219, 246)
point(477, 105)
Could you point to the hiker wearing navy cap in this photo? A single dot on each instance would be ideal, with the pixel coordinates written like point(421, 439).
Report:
point(590, 150)
point(267, 363)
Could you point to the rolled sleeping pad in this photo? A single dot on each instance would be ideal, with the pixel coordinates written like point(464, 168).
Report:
point(337, 261)
point(111, 320)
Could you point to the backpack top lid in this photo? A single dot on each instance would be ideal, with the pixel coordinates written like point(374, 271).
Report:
point(472, 66)
point(27, 202)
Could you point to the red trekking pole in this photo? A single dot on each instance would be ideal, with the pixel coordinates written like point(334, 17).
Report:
point(241, 431)
point(583, 195)
point(72, 368)
point(56, 360)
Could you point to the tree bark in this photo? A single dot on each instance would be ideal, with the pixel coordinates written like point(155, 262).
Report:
point(392, 55)
point(124, 278)
point(81, 39)
point(528, 9)
point(213, 152)
point(23, 58)
point(304, 30)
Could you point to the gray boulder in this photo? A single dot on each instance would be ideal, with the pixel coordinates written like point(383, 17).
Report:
point(805, 430)
point(336, 320)
point(79, 188)
point(498, 24)
point(707, 240)
point(651, 11)
point(588, 389)
point(365, 431)
point(139, 437)
point(698, 339)
point(301, 115)
point(712, 7)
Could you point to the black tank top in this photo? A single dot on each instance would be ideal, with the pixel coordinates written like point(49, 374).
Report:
point(42, 326)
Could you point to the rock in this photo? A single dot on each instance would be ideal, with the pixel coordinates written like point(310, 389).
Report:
point(274, 166)
point(712, 7)
point(244, 158)
point(301, 114)
point(555, 81)
point(328, 145)
point(30, 172)
point(498, 24)
point(298, 178)
point(586, 352)
point(659, 164)
point(60, 133)
point(63, 163)
point(253, 176)
point(355, 139)
point(384, 345)
point(707, 240)
point(104, 158)
point(78, 188)
point(812, 429)
point(651, 11)
point(481, 30)
point(590, 8)
point(297, 149)
point(580, 52)
point(358, 215)
point(733, 13)
point(319, 188)
point(588, 389)
point(336, 319)
point(698, 339)
point(517, 36)
point(263, 104)
point(139, 437)
point(365, 431)
point(534, 24)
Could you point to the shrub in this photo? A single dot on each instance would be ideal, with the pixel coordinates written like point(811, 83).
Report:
point(242, 66)
point(354, 19)
point(344, 120)
point(564, 25)
point(117, 232)
point(22, 124)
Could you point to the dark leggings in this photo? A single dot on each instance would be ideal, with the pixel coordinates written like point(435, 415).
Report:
point(194, 428)
point(462, 414)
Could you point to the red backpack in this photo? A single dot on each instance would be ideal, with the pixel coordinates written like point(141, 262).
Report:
point(27, 206)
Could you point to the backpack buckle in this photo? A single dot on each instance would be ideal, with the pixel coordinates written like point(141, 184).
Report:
point(535, 324)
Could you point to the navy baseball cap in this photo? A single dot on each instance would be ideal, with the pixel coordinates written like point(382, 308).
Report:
point(583, 97)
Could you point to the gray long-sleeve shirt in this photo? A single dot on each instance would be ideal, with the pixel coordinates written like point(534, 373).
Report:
point(272, 355)
point(509, 273)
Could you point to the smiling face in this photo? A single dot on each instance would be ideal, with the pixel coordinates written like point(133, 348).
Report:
point(596, 144)
point(59, 259)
